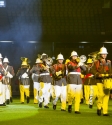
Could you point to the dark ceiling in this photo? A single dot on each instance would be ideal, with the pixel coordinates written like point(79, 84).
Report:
point(56, 25)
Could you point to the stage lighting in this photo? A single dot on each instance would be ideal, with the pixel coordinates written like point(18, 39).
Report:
point(32, 41)
point(107, 42)
point(84, 42)
point(6, 41)
point(2, 3)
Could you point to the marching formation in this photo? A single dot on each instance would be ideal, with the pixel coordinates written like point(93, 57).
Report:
point(75, 80)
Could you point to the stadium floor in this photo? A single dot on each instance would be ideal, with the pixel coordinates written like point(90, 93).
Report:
point(30, 114)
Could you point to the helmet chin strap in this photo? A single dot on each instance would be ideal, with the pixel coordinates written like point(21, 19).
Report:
point(102, 57)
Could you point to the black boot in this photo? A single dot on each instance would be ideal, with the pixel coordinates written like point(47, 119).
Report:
point(46, 106)
point(40, 105)
point(3, 104)
point(82, 100)
point(90, 106)
point(7, 101)
point(28, 99)
point(99, 112)
point(69, 108)
point(106, 115)
point(77, 112)
point(11, 99)
point(54, 107)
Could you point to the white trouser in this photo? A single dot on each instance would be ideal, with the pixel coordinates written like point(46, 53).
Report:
point(59, 91)
point(36, 85)
point(45, 93)
point(1, 93)
point(6, 92)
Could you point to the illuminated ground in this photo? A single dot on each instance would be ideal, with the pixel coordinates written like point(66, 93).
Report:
point(30, 114)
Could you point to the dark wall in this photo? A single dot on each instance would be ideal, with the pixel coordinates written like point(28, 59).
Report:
point(57, 26)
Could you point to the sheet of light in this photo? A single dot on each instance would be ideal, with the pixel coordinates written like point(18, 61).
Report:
point(6, 41)
point(2, 3)
point(107, 42)
point(84, 42)
point(32, 41)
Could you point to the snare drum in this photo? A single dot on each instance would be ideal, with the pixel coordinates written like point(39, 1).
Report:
point(107, 83)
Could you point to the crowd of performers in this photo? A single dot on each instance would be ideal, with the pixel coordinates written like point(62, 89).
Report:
point(72, 80)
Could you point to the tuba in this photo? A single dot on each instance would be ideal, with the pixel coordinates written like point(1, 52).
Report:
point(94, 55)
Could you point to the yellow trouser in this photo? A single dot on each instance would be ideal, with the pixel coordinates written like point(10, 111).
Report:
point(10, 90)
point(82, 94)
point(93, 93)
point(87, 93)
point(102, 98)
point(35, 94)
point(22, 91)
point(74, 91)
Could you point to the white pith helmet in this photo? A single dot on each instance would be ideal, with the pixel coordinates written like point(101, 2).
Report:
point(38, 60)
point(60, 56)
point(73, 53)
point(1, 56)
point(44, 56)
point(103, 50)
point(5, 60)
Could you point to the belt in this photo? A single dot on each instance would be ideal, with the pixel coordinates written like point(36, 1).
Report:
point(77, 73)
point(36, 74)
point(44, 74)
point(27, 77)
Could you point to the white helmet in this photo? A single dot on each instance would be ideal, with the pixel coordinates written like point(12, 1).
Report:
point(103, 50)
point(5, 60)
point(60, 56)
point(44, 56)
point(74, 53)
point(1, 56)
point(38, 60)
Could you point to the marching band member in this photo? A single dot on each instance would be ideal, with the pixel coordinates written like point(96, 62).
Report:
point(24, 80)
point(74, 82)
point(35, 71)
point(59, 73)
point(102, 72)
point(45, 82)
point(2, 73)
point(87, 81)
point(90, 88)
point(7, 93)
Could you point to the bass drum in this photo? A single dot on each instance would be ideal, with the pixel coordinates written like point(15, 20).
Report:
point(108, 83)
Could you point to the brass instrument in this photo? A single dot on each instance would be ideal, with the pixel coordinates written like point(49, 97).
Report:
point(81, 60)
point(94, 55)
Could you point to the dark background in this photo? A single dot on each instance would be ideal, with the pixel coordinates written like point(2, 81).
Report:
point(54, 26)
